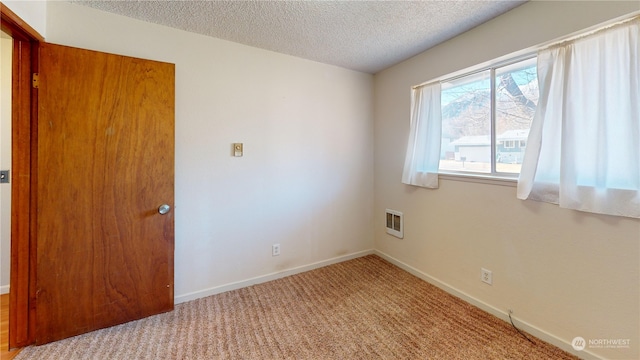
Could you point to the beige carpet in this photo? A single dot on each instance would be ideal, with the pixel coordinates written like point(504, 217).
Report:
point(360, 309)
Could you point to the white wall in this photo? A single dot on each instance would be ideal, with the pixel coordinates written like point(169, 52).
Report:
point(564, 273)
point(6, 50)
point(305, 180)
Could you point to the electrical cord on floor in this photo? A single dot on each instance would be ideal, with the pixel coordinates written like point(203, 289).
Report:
point(518, 330)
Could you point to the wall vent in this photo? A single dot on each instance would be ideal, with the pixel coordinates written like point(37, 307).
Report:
point(395, 225)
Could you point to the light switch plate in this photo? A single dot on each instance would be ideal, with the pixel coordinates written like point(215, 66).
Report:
point(237, 149)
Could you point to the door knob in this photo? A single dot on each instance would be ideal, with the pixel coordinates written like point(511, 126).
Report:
point(163, 209)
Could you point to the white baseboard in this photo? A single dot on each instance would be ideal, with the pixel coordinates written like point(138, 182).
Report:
point(533, 330)
point(268, 277)
point(4, 289)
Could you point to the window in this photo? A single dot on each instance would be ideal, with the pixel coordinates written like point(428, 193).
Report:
point(582, 146)
point(461, 125)
point(486, 116)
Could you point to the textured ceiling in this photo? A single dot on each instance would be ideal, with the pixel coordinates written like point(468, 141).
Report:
point(367, 36)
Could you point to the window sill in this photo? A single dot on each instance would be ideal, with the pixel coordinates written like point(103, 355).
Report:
point(479, 178)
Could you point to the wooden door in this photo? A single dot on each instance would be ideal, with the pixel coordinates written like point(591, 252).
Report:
point(105, 165)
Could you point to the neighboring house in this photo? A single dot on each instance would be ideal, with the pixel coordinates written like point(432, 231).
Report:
point(472, 148)
point(511, 147)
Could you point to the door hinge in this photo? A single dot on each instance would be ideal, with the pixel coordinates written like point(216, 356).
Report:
point(35, 81)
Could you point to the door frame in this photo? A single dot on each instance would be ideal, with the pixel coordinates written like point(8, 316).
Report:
point(24, 116)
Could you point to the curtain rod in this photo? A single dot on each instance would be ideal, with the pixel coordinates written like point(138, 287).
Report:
point(509, 61)
point(532, 52)
point(584, 35)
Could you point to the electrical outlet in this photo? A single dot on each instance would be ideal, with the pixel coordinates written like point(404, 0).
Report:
point(486, 276)
point(275, 249)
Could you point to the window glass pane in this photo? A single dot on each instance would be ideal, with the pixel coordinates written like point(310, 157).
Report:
point(466, 124)
point(516, 100)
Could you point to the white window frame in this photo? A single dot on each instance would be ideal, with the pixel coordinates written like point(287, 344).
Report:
point(511, 178)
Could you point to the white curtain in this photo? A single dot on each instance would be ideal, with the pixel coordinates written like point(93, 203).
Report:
point(583, 151)
point(423, 148)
